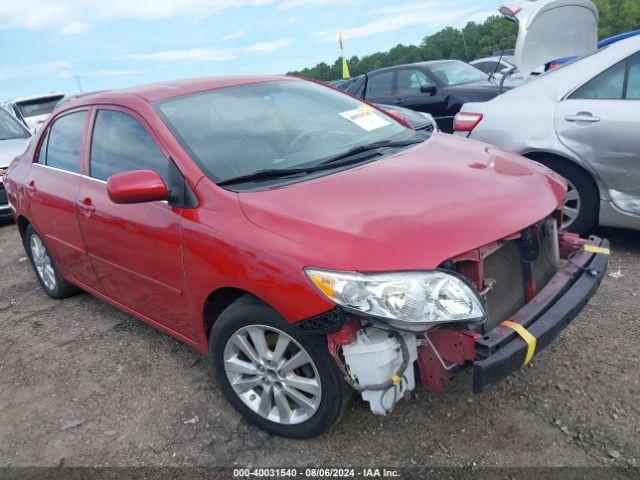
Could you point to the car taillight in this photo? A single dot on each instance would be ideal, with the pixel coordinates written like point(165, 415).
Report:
point(466, 122)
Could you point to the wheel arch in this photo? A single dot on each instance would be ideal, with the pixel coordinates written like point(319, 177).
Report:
point(222, 298)
point(548, 158)
point(22, 223)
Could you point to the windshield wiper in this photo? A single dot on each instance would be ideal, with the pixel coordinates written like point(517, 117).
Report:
point(263, 175)
point(353, 155)
point(367, 148)
point(286, 172)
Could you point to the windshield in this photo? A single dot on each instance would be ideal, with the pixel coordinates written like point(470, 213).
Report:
point(10, 128)
point(236, 131)
point(457, 73)
point(32, 108)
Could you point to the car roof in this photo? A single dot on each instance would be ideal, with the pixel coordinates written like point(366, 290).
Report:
point(617, 38)
point(504, 58)
point(417, 64)
point(161, 91)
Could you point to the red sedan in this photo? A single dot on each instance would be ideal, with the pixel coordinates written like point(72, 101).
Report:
point(306, 241)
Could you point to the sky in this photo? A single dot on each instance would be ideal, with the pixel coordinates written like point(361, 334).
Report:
point(64, 45)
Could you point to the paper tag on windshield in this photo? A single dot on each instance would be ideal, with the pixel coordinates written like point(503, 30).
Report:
point(366, 118)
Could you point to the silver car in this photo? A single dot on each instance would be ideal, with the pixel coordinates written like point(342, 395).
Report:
point(583, 121)
point(14, 139)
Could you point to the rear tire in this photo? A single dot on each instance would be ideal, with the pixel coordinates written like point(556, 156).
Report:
point(241, 328)
point(47, 271)
point(581, 204)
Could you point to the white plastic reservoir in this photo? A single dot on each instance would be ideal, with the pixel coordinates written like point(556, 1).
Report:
point(373, 359)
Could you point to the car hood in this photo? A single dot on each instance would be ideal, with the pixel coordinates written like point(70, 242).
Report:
point(551, 29)
point(415, 119)
point(9, 149)
point(411, 210)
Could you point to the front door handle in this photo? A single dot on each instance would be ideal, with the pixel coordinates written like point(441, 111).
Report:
point(582, 117)
point(86, 206)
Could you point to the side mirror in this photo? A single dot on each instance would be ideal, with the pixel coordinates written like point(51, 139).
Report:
point(137, 186)
point(430, 89)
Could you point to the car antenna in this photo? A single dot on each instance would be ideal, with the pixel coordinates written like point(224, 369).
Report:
point(497, 65)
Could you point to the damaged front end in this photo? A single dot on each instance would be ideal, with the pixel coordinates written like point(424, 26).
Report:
point(491, 309)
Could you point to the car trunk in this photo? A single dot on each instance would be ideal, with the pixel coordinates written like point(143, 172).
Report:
point(551, 29)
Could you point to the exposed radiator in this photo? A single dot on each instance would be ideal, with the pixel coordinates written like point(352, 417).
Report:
point(507, 295)
point(504, 268)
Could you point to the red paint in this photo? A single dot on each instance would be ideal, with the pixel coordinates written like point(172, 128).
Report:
point(569, 243)
point(346, 335)
point(139, 186)
point(445, 351)
point(409, 211)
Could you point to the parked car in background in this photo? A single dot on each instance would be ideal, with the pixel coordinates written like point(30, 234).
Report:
point(33, 111)
point(419, 121)
point(14, 138)
point(416, 120)
point(494, 65)
point(305, 240)
point(438, 88)
point(581, 120)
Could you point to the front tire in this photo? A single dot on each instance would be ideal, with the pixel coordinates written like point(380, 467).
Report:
point(47, 271)
point(285, 382)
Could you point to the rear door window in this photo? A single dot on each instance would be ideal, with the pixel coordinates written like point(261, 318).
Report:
point(65, 142)
point(381, 84)
point(121, 144)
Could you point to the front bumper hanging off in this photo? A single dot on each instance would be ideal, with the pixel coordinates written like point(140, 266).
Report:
point(444, 352)
point(502, 351)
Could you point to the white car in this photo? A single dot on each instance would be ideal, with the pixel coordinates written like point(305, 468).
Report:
point(33, 111)
point(581, 120)
point(14, 139)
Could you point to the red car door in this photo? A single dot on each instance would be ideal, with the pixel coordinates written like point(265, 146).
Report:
point(135, 249)
point(52, 186)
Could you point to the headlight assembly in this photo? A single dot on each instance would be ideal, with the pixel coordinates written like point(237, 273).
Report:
point(409, 300)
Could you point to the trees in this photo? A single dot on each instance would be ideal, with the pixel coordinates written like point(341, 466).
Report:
point(475, 40)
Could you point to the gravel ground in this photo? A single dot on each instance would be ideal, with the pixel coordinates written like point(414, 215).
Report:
point(84, 384)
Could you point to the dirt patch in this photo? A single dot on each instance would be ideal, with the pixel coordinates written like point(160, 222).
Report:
point(84, 384)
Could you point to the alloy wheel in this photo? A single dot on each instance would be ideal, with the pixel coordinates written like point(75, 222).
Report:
point(272, 374)
point(42, 262)
point(572, 205)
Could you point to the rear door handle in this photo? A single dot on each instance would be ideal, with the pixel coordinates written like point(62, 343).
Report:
point(582, 118)
point(31, 186)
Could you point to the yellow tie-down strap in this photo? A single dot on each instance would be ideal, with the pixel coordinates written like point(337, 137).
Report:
point(529, 339)
point(595, 249)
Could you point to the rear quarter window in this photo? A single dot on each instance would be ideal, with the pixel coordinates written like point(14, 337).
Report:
point(609, 85)
point(65, 142)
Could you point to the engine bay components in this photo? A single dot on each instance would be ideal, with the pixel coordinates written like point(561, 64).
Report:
point(381, 363)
